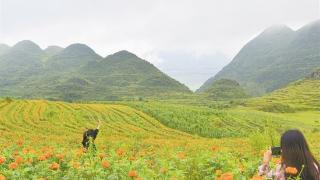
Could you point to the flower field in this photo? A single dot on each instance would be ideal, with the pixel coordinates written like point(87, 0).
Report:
point(42, 140)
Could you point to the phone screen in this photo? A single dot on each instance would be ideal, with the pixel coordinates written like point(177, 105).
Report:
point(276, 151)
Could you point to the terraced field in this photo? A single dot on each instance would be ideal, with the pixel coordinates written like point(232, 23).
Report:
point(44, 119)
point(138, 140)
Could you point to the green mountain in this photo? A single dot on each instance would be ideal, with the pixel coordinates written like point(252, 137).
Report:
point(53, 50)
point(4, 48)
point(78, 73)
point(225, 89)
point(273, 59)
point(300, 95)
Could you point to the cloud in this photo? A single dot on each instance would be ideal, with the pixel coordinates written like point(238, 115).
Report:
point(147, 28)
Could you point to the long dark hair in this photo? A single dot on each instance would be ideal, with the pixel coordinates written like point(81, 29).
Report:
point(295, 152)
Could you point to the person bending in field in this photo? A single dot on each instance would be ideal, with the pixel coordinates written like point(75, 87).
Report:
point(89, 136)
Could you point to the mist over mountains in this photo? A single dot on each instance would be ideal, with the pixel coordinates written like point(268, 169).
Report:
point(273, 59)
point(78, 73)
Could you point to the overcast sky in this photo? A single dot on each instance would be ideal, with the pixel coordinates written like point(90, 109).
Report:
point(150, 27)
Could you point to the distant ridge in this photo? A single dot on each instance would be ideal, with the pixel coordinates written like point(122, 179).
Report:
point(273, 59)
point(78, 73)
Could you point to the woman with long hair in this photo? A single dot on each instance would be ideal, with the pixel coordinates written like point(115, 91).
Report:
point(296, 159)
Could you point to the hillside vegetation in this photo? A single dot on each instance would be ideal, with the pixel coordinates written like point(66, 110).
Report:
point(223, 89)
point(298, 96)
point(77, 73)
point(275, 58)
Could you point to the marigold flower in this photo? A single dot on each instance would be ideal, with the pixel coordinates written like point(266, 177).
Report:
point(2, 160)
point(291, 170)
point(60, 156)
point(20, 142)
point(105, 164)
point(120, 152)
point(226, 176)
point(76, 165)
point(15, 153)
point(131, 158)
point(13, 165)
point(30, 160)
point(132, 174)
point(19, 160)
point(48, 154)
point(181, 155)
point(163, 170)
point(214, 148)
point(54, 166)
point(102, 155)
point(42, 158)
point(2, 177)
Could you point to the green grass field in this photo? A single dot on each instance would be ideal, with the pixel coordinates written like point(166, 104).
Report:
point(142, 139)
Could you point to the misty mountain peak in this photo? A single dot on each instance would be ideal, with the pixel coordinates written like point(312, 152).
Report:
point(124, 53)
point(4, 48)
point(313, 27)
point(79, 50)
point(52, 50)
point(27, 46)
point(279, 29)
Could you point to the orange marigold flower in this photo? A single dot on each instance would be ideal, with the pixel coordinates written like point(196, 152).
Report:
point(163, 170)
point(226, 176)
point(54, 166)
point(2, 159)
point(48, 154)
point(13, 165)
point(15, 153)
point(120, 152)
point(181, 155)
point(131, 158)
point(105, 164)
point(214, 148)
point(102, 155)
point(30, 160)
point(132, 174)
point(19, 160)
point(291, 170)
point(76, 165)
point(20, 142)
point(60, 156)
point(42, 158)
point(2, 177)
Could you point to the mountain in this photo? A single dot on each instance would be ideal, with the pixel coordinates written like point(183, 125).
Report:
point(53, 50)
point(273, 59)
point(78, 73)
point(20, 61)
point(300, 95)
point(73, 56)
point(4, 48)
point(129, 75)
point(225, 89)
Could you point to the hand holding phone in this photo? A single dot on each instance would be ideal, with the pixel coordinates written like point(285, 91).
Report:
point(276, 151)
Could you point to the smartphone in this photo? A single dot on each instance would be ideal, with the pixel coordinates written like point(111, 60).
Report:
point(276, 151)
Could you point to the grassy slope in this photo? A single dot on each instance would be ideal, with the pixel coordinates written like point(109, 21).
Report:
point(35, 119)
point(301, 95)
